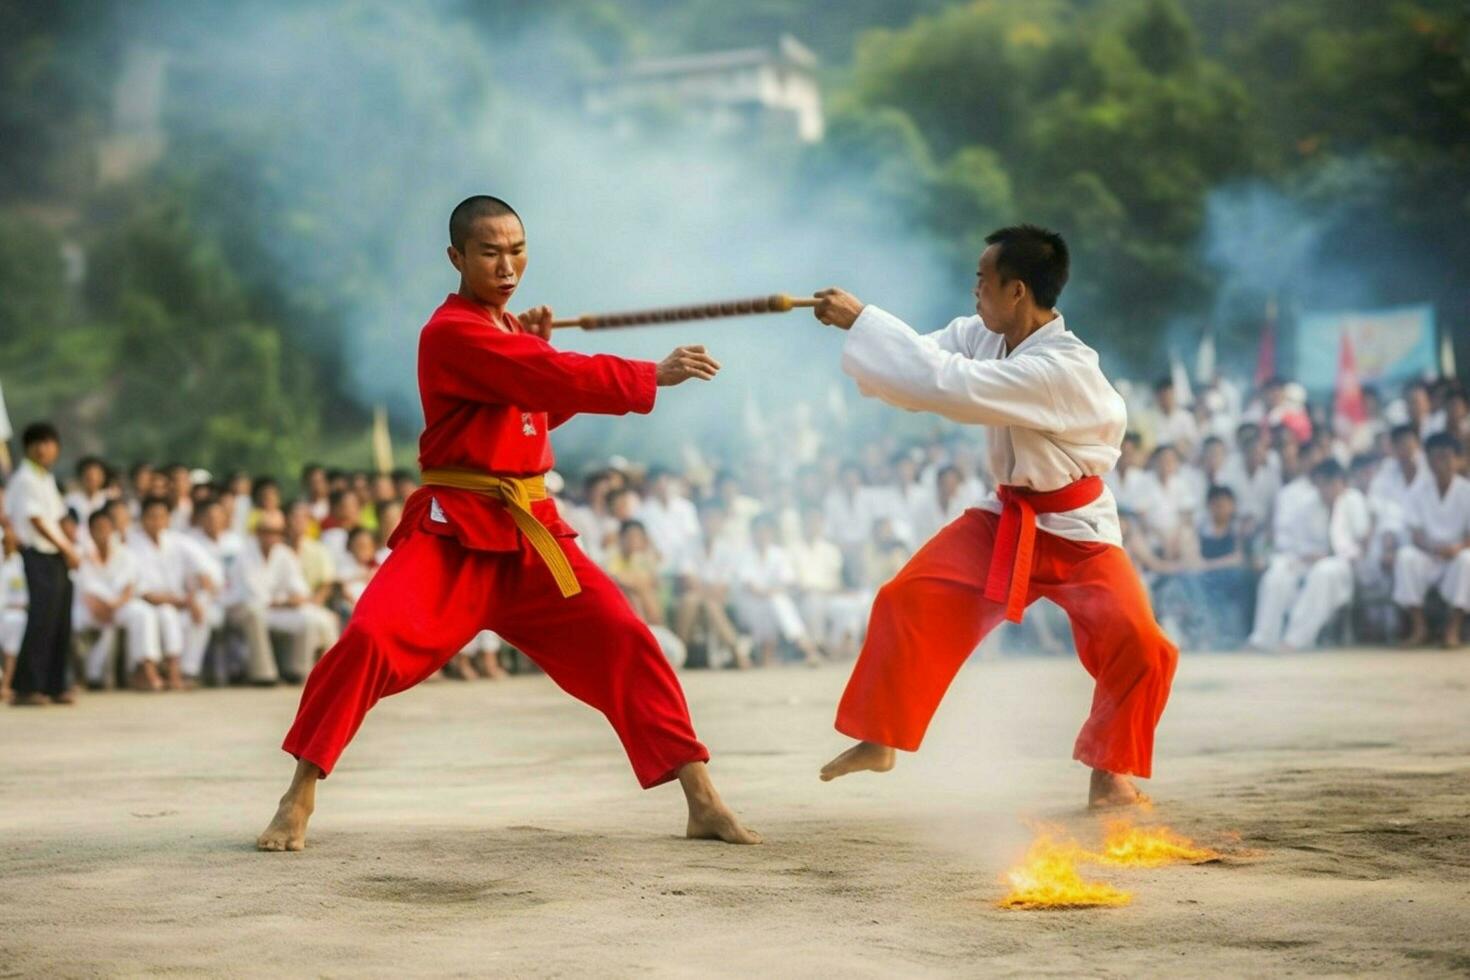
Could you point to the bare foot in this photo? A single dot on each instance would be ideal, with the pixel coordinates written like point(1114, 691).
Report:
point(146, 678)
point(709, 817)
point(862, 757)
point(174, 673)
point(33, 700)
point(1453, 630)
point(1112, 790)
point(1418, 632)
point(287, 829)
point(68, 696)
point(459, 668)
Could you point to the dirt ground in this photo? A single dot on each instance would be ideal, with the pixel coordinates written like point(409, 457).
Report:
point(494, 829)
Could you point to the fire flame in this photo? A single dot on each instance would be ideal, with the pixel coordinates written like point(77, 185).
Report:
point(1149, 847)
point(1049, 879)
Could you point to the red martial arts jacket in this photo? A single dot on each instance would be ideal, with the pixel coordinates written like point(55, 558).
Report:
point(490, 400)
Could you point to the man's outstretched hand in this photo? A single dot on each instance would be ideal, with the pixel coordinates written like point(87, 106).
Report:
point(685, 363)
point(537, 321)
point(837, 307)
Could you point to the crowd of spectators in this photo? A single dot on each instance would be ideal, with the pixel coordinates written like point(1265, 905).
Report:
point(1256, 519)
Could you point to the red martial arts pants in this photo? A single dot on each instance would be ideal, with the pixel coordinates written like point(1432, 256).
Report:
point(432, 595)
point(932, 615)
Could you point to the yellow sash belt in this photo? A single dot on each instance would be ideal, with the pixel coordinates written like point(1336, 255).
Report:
point(517, 494)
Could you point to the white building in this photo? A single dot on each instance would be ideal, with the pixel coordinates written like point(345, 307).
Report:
point(751, 90)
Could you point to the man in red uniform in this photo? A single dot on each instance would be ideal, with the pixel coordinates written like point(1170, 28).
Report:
point(481, 545)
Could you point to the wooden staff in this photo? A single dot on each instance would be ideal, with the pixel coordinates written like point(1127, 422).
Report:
point(779, 303)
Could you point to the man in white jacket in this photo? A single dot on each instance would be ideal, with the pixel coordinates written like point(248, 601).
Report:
point(1051, 530)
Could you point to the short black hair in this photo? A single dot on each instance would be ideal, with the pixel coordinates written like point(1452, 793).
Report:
point(1034, 255)
point(1329, 469)
point(260, 483)
point(100, 514)
point(462, 219)
point(1363, 461)
point(86, 462)
point(151, 502)
point(1131, 438)
point(1217, 491)
point(630, 525)
point(1405, 431)
point(1442, 440)
point(1163, 384)
point(39, 432)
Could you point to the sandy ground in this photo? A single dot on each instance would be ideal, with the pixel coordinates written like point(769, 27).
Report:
point(493, 829)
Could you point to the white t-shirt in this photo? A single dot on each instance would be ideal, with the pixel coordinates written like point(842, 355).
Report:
point(817, 564)
point(32, 492)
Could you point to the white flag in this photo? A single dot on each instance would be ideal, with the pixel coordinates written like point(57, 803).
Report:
point(5, 430)
point(1183, 394)
point(1204, 360)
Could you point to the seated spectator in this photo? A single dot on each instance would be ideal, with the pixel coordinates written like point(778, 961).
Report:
point(634, 565)
point(90, 494)
point(360, 566)
point(344, 516)
point(835, 615)
point(1254, 479)
point(170, 579)
point(942, 504)
point(1437, 555)
point(670, 519)
point(884, 554)
point(1300, 538)
point(764, 599)
point(317, 565)
point(708, 577)
point(107, 601)
point(269, 592)
point(265, 498)
point(1328, 586)
point(315, 493)
point(179, 492)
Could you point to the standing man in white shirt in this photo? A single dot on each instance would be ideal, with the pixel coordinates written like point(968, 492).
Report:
point(1051, 530)
point(35, 508)
point(1437, 514)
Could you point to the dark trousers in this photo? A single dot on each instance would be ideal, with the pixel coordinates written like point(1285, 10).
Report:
point(45, 653)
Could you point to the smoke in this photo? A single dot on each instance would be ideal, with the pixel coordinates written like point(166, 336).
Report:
point(366, 122)
point(1301, 247)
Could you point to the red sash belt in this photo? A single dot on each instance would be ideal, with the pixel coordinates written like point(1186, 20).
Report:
point(1015, 541)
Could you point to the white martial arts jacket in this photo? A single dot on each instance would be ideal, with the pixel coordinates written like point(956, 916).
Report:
point(266, 580)
point(1052, 416)
point(1445, 520)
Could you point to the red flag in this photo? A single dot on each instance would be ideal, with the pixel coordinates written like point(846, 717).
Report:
point(1266, 356)
point(1348, 399)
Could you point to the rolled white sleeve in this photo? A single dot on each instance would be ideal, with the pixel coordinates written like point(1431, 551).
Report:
point(889, 360)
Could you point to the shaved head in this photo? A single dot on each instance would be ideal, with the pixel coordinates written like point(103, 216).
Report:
point(472, 209)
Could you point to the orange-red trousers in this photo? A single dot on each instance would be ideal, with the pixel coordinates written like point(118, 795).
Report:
point(933, 614)
point(432, 595)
